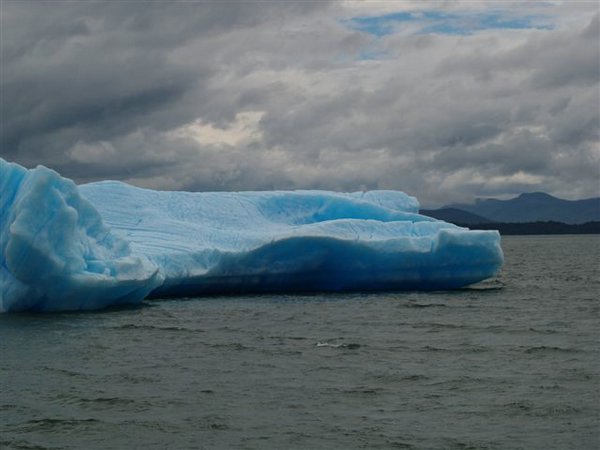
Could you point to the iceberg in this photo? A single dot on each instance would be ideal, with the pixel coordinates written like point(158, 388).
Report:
point(68, 247)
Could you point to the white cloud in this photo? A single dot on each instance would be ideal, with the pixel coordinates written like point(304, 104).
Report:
point(243, 130)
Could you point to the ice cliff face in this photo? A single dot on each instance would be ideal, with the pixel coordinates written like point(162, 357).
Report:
point(55, 251)
point(64, 247)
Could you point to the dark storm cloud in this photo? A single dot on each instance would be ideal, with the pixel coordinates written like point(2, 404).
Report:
point(242, 95)
point(96, 70)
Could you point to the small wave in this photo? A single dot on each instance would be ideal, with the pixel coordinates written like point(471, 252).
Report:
point(232, 346)
point(462, 445)
point(544, 331)
point(350, 346)
point(57, 425)
point(400, 445)
point(561, 410)
point(363, 391)
point(461, 382)
point(461, 349)
point(287, 338)
point(133, 326)
point(67, 372)
point(24, 445)
point(210, 422)
point(132, 378)
point(67, 399)
point(431, 348)
point(416, 377)
point(548, 349)
point(438, 325)
point(529, 409)
point(107, 401)
point(425, 305)
point(519, 406)
point(399, 377)
point(551, 387)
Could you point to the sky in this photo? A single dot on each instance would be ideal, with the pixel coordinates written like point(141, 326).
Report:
point(448, 101)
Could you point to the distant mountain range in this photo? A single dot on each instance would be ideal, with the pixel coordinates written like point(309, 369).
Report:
point(455, 215)
point(531, 207)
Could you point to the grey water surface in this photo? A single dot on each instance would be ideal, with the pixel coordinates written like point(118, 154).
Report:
point(511, 363)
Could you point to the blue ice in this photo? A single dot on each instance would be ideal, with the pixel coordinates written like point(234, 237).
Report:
point(69, 247)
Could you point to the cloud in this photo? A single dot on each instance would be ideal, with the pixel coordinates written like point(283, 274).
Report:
point(268, 95)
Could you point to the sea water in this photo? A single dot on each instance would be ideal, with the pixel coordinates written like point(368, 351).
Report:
point(511, 363)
